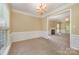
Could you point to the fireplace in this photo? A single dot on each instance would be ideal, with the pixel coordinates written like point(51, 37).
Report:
point(52, 31)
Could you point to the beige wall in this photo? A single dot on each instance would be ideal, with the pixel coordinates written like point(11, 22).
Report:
point(75, 19)
point(65, 26)
point(62, 25)
point(52, 24)
point(44, 24)
point(24, 23)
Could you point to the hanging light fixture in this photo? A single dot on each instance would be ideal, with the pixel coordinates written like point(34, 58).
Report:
point(41, 8)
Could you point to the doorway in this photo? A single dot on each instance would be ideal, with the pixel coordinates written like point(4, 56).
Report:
point(59, 29)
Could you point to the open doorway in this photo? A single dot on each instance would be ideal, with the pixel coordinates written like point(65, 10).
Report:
point(59, 29)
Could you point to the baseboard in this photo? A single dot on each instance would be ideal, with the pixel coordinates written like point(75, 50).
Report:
point(44, 34)
point(74, 42)
point(75, 48)
point(18, 36)
point(7, 50)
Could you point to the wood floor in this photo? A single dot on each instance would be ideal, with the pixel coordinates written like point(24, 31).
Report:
point(57, 45)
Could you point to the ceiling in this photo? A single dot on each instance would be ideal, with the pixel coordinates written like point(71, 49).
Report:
point(31, 7)
point(60, 17)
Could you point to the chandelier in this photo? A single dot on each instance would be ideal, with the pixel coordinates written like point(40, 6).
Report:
point(41, 8)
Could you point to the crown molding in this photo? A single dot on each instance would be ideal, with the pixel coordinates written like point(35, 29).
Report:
point(25, 13)
point(59, 13)
point(48, 14)
point(59, 9)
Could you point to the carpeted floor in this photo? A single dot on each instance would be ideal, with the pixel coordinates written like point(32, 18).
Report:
point(57, 45)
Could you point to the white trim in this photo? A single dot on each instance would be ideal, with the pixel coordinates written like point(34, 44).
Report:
point(59, 9)
point(18, 36)
point(47, 24)
point(74, 42)
point(7, 50)
point(44, 34)
point(75, 35)
point(74, 48)
point(70, 22)
point(25, 13)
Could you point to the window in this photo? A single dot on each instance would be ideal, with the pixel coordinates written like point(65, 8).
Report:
point(3, 30)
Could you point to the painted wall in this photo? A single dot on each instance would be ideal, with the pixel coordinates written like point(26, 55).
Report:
point(75, 27)
point(53, 24)
point(45, 28)
point(75, 19)
point(65, 27)
point(25, 27)
point(44, 24)
point(24, 23)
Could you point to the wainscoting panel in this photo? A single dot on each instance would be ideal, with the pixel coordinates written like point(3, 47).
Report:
point(74, 42)
point(44, 34)
point(18, 36)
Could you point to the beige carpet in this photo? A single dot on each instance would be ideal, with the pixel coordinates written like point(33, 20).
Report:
point(58, 45)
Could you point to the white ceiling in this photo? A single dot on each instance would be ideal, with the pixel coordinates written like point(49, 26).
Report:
point(60, 17)
point(31, 7)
